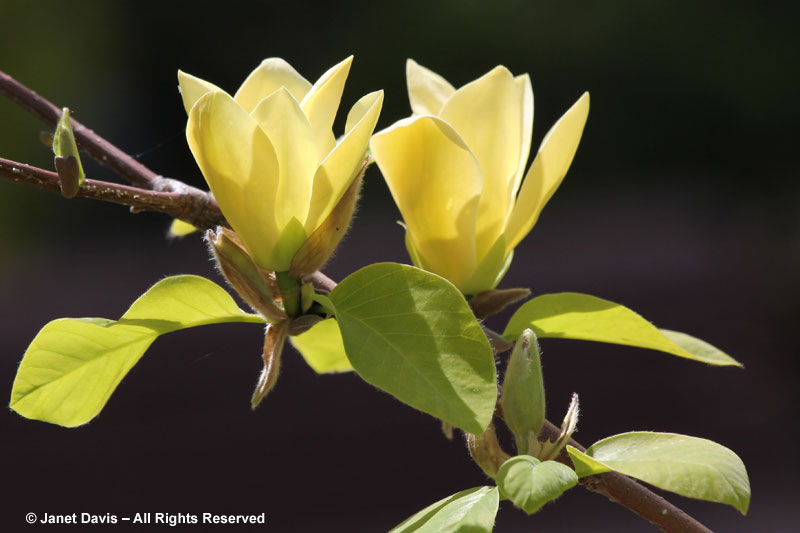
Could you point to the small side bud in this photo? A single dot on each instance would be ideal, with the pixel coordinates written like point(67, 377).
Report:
point(273, 348)
point(252, 283)
point(321, 244)
point(551, 450)
point(67, 158)
point(523, 399)
point(486, 452)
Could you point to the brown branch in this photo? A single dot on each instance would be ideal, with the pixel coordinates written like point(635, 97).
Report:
point(625, 491)
point(175, 204)
point(201, 209)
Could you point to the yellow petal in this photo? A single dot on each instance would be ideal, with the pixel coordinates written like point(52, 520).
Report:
point(487, 113)
point(179, 228)
point(490, 269)
point(322, 102)
point(287, 127)
point(272, 74)
point(436, 182)
point(241, 168)
point(526, 94)
point(361, 108)
point(548, 169)
point(341, 166)
point(427, 91)
point(192, 89)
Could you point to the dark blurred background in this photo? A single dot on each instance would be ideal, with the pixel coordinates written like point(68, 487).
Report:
point(681, 204)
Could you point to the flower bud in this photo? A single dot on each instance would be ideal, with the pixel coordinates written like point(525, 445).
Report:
point(485, 451)
point(251, 282)
point(523, 399)
point(269, 156)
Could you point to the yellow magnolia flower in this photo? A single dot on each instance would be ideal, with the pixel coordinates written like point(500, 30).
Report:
point(269, 154)
point(455, 168)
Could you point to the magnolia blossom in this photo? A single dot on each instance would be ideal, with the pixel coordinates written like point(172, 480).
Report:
point(455, 169)
point(269, 154)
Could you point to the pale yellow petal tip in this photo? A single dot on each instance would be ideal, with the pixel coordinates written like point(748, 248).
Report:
point(179, 228)
point(344, 64)
point(192, 88)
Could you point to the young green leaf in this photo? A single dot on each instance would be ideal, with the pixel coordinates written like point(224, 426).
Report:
point(580, 316)
point(412, 334)
point(531, 483)
point(689, 466)
point(322, 347)
point(472, 511)
point(73, 365)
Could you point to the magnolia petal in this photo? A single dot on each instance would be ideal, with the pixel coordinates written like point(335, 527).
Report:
point(192, 88)
point(241, 168)
point(436, 183)
point(487, 114)
point(360, 109)
point(340, 167)
point(548, 169)
point(427, 91)
point(321, 103)
point(490, 270)
point(272, 74)
point(416, 259)
point(526, 94)
point(179, 228)
point(289, 131)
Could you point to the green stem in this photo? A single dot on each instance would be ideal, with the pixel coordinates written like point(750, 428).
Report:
point(290, 293)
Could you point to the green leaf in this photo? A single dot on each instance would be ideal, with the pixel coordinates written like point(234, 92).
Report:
point(412, 334)
point(571, 315)
point(74, 364)
point(531, 483)
point(689, 466)
point(322, 347)
point(469, 511)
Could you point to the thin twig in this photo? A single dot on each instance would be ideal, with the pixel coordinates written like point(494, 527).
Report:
point(107, 154)
point(174, 204)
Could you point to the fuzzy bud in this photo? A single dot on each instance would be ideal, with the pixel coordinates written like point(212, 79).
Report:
point(523, 398)
point(485, 451)
point(251, 282)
